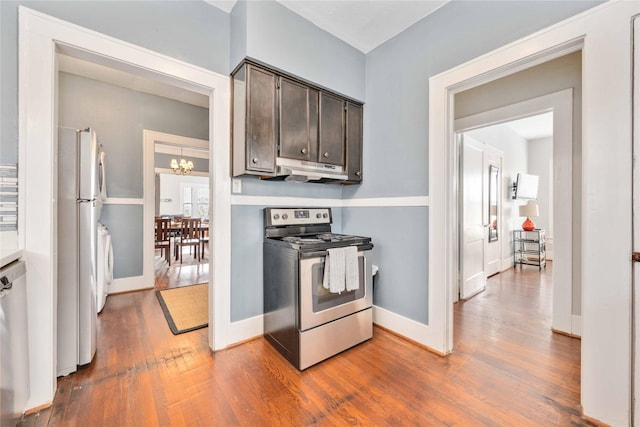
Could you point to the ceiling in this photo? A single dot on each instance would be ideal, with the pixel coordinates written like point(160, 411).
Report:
point(364, 24)
point(534, 127)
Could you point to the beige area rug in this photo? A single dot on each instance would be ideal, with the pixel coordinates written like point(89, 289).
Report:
point(185, 308)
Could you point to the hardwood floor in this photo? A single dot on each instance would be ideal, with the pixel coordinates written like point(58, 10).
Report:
point(508, 369)
point(181, 275)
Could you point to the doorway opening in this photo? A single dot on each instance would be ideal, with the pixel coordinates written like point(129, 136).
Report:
point(492, 159)
point(41, 40)
point(565, 195)
point(178, 197)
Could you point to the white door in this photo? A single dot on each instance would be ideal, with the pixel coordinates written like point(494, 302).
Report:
point(636, 221)
point(474, 217)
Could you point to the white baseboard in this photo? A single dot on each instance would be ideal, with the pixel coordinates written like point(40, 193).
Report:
point(401, 325)
point(245, 329)
point(128, 284)
point(576, 325)
point(507, 263)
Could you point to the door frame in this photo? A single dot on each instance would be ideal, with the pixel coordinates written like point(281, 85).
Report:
point(561, 103)
point(635, 184)
point(41, 37)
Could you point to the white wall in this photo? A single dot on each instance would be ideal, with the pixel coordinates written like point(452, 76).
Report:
point(170, 188)
point(539, 163)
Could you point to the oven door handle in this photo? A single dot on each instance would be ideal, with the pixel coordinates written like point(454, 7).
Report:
point(322, 254)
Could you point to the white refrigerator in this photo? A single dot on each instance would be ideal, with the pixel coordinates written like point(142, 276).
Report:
point(80, 193)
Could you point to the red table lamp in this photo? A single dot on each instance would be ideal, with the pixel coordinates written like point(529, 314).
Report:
point(529, 210)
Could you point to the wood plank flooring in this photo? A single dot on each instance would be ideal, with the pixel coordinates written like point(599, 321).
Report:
point(508, 369)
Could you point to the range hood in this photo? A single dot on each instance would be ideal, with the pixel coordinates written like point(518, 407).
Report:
point(303, 171)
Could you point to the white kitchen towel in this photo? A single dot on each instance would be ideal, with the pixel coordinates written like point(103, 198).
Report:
point(351, 270)
point(334, 271)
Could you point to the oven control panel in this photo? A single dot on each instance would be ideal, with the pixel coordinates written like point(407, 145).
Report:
point(297, 216)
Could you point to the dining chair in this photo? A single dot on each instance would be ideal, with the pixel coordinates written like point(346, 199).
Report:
point(204, 240)
point(189, 236)
point(163, 237)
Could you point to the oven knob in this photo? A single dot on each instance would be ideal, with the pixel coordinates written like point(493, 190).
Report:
point(276, 216)
point(285, 216)
point(318, 215)
point(324, 215)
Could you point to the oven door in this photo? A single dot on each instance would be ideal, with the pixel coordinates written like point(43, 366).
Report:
point(319, 306)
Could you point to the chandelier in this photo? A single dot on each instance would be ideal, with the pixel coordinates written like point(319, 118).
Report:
point(182, 166)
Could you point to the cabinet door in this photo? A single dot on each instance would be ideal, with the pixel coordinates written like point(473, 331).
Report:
point(298, 121)
point(331, 133)
point(354, 142)
point(261, 120)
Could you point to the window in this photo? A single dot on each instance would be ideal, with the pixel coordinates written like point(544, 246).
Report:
point(203, 202)
point(187, 205)
point(195, 201)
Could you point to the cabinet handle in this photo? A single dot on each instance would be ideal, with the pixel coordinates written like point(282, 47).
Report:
point(254, 160)
point(303, 151)
point(326, 154)
point(358, 173)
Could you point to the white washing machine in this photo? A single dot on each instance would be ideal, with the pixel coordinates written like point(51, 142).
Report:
point(104, 266)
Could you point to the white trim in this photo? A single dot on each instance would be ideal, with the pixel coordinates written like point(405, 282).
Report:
point(40, 37)
point(178, 151)
point(576, 325)
point(246, 329)
point(122, 201)
point(416, 331)
point(237, 199)
point(604, 32)
point(128, 284)
point(408, 201)
point(507, 263)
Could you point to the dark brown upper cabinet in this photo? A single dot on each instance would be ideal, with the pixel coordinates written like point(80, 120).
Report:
point(298, 121)
point(331, 134)
point(279, 116)
point(353, 142)
point(254, 116)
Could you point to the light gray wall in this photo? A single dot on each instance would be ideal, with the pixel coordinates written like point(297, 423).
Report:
point(546, 78)
point(238, 49)
point(283, 39)
point(246, 259)
point(119, 116)
point(401, 239)
point(396, 115)
point(125, 227)
point(193, 31)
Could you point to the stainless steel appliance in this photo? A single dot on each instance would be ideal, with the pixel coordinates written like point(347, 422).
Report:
point(304, 321)
point(80, 196)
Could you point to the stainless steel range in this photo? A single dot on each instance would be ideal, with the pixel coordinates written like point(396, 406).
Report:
point(306, 320)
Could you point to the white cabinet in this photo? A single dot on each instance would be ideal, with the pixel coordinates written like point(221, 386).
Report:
point(530, 248)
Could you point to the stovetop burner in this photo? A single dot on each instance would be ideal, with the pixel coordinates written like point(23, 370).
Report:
point(307, 230)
